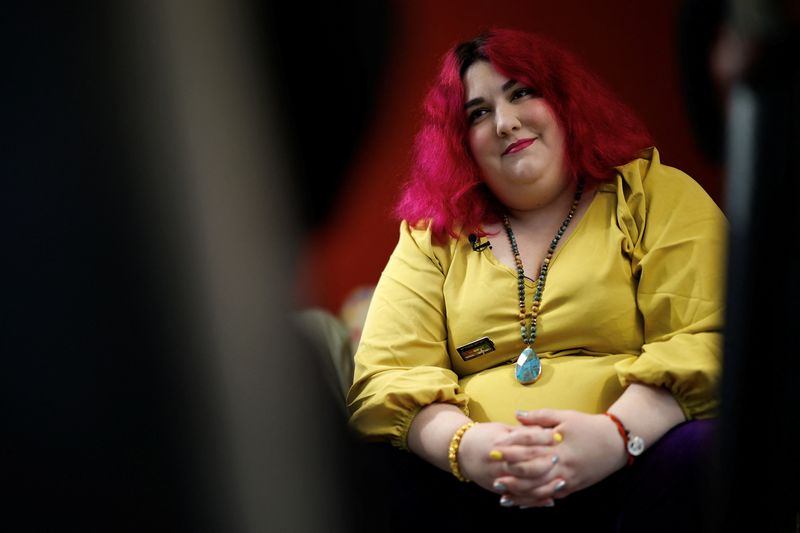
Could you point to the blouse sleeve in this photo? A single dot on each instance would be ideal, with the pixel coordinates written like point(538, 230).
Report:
point(677, 237)
point(402, 362)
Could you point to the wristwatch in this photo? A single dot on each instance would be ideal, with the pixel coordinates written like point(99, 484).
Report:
point(634, 444)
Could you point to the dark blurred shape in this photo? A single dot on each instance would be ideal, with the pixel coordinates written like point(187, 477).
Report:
point(330, 58)
point(151, 378)
point(699, 24)
point(65, 351)
point(756, 486)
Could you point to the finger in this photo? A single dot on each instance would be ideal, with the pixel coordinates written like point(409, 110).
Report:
point(527, 503)
point(526, 436)
point(516, 454)
point(524, 488)
point(508, 500)
point(533, 469)
point(540, 417)
point(554, 489)
point(520, 490)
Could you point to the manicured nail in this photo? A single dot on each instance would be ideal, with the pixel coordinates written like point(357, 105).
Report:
point(505, 501)
point(522, 413)
point(496, 455)
point(558, 437)
point(500, 486)
point(560, 485)
point(554, 459)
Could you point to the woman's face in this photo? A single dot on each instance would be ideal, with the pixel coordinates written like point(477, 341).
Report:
point(514, 138)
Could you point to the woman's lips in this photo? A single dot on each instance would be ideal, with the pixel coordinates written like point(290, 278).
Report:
point(519, 145)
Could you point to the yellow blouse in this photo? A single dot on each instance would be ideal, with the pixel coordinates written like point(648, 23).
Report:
point(635, 294)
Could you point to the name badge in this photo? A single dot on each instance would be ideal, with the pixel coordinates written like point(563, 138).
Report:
point(476, 348)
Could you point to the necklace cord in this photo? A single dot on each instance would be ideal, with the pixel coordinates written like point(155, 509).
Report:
point(528, 330)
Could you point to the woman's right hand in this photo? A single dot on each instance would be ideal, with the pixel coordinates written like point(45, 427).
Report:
point(524, 454)
point(434, 426)
point(475, 453)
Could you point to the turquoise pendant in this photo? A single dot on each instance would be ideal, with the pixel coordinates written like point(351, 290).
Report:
point(529, 367)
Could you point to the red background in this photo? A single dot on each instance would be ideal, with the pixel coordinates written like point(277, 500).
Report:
point(631, 45)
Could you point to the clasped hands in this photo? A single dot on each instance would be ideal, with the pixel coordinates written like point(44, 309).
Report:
point(551, 454)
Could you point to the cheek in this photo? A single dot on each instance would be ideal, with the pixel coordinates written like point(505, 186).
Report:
point(541, 115)
point(478, 145)
point(473, 142)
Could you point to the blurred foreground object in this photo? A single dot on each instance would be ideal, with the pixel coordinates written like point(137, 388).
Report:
point(152, 379)
point(757, 61)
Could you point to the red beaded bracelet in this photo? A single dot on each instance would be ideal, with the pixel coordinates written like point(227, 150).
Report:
point(634, 445)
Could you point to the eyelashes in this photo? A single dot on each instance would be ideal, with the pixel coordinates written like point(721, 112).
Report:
point(477, 113)
point(523, 91)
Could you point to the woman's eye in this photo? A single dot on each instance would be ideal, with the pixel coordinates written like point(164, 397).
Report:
point(475, 114)
point(521, 92)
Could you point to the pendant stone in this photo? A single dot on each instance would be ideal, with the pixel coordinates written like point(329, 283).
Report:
point(529, 367)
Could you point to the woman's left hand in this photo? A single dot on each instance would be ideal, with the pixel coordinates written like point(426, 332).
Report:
point(590, 449)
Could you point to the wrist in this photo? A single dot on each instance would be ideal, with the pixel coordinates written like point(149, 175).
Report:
point(454, 449)
point(633, 445)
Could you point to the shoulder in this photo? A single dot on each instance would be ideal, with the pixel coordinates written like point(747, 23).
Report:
point(649, 184)
point(651, 197)
point(419, 239)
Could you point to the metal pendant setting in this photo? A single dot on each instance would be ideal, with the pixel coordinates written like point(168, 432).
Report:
point(529, 367)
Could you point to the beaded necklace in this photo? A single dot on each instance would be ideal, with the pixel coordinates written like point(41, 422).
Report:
point(529, 367)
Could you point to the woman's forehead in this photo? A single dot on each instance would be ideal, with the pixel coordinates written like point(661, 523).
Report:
point(482, 77)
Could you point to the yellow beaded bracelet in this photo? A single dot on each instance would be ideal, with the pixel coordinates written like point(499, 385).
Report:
point(452, 452)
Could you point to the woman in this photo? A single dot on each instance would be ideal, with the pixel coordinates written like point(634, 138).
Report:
point(553, 308)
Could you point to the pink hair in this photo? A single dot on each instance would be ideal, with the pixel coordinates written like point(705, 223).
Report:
point(445, 188)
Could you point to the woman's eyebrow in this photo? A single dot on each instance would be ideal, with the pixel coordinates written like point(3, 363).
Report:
point(473, 102)
point(477, 101)
point(507, 85)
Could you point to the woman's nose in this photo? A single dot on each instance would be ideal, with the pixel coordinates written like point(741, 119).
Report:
point(507, 120)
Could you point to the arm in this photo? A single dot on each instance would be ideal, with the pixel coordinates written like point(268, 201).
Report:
point(678, 256)
point(647, 411)
point(430, 433)
point(402, 363)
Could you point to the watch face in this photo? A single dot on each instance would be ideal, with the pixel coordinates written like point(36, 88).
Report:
point(635, 445)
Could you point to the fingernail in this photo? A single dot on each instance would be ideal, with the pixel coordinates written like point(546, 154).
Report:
point(554, 459)
point(522, 413)
point(505, 501)
point(551, 503)
point(496, 455)
point(500, 486)
point(558, 437)
point(560, 485)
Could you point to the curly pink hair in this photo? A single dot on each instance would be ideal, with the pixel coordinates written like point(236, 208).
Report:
point(444, 187)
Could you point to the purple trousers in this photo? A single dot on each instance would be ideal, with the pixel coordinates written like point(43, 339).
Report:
point(666, 489)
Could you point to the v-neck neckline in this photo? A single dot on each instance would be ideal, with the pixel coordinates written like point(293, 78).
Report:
point(561, 245)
